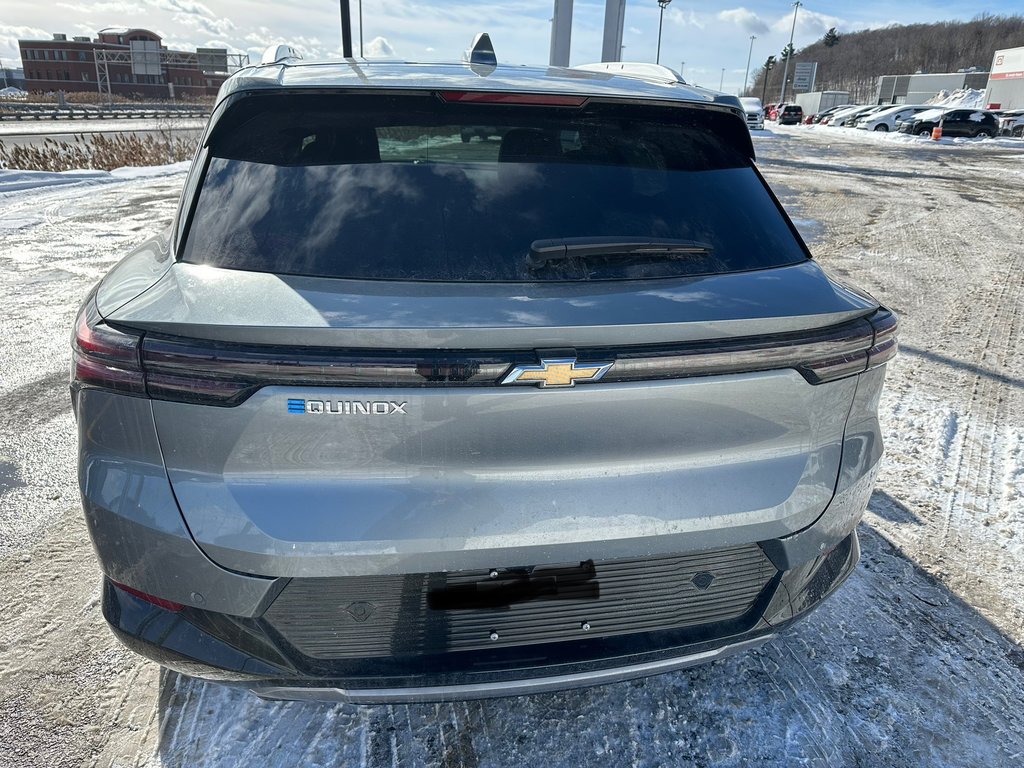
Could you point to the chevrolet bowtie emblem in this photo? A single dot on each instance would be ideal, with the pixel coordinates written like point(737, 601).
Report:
point(560, 372)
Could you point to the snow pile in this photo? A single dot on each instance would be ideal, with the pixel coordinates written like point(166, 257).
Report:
point(16, 181)
point(965, 98)
point(12, 93)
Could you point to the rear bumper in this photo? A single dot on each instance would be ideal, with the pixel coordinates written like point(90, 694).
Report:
point(509, 688)
point(249, 654)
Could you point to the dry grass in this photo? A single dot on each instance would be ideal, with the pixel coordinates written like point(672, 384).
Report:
point(93, 97)
point(99, 152)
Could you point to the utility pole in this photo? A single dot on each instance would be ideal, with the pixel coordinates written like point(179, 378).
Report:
point(361, 56)
point(662, 4)
point(746, 72)
point(721, 82)
point(792, 31)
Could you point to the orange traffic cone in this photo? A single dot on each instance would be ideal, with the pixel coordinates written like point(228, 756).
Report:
point(937, 132)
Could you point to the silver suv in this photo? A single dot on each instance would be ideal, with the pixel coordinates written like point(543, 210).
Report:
point(387, 415)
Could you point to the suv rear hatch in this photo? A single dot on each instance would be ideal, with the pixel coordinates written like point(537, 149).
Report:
point(347, 363)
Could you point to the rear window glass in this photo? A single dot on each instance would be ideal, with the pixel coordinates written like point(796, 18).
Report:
point(413, 188)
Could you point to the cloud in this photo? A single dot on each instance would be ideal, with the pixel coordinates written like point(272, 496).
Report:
point(116, 9)
point(216, 27)
point(9, 37)
point(809, 24)
point(308, 47)
point(379, 48)
point(685, 18)
point(197, 9)
point(745, 19)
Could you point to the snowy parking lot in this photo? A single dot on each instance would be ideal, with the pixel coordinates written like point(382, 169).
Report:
point(917, 660)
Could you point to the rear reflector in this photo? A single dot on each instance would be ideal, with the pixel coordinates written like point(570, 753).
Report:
point(159, 602)
point(498, 97)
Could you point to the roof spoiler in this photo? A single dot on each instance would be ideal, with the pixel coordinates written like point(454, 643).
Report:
point(655, 73)
point(638, 69)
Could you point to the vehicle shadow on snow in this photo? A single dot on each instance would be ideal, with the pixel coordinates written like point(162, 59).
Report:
point(952, 362)
point(893, 670)
point(860, 170)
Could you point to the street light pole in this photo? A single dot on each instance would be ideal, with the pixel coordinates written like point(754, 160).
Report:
point(769, 65)
point(662, 4)
point(721, 82)
point(792, 31)
point(746, 72)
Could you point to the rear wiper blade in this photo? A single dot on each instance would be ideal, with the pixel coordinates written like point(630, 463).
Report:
point(545, 251)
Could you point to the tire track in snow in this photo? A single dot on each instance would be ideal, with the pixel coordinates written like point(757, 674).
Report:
point(956, 280)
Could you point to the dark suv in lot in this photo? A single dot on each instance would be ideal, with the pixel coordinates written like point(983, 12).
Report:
point(386, 415)
point(791, 114)
point(971, 123)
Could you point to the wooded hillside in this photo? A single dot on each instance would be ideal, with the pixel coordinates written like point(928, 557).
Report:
point(854, 61)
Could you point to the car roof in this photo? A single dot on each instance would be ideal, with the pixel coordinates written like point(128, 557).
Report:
point(387, 74)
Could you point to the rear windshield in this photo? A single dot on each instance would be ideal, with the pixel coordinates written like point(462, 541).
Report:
point(414, 187)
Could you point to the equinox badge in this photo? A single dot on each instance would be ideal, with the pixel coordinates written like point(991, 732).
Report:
point(347, 407)
point(557, 372)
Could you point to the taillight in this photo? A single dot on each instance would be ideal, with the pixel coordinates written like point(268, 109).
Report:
point(104, 357)
point(885, 344)
point(864, 349)
point(223, 374)
point(159, 602)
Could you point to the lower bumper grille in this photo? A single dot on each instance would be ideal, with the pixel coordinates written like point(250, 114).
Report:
point(414, 614)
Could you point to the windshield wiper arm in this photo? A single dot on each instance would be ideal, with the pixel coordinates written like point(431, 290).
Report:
point(559, 249)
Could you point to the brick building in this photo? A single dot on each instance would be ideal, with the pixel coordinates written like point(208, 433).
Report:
point(127, 62)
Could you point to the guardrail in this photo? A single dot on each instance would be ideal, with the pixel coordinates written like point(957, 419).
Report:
point(28, 111)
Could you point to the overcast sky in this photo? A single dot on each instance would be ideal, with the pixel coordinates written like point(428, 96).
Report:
point(709, 37)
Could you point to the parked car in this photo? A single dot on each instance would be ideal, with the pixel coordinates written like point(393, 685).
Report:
point(849, 121)
point(956, 122)
point(889, 119)
point(1011, 123)
point(754, 112)
point(838, 117)
point(388, 416)
point(823, 116)
point(791, 114)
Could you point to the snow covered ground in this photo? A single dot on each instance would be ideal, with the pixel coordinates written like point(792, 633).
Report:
point(10, 128)
point(916, 661)
point(832, 134)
